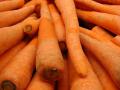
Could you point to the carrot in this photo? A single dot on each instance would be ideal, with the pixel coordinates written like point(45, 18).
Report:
point(101, 73)
point(107, 21)
point(38, 84)
point(17, 74)
point(14, 34)
point(8, 55)
point(68, 12)
point(109, 1)
point(102, 32)
point(11, 4)
point(116, 40)
point(32, 2)
point(49, 60)
point(63, 84)
point(8, 18)
point(111, 9)
point(91, 82)
point(106, 54)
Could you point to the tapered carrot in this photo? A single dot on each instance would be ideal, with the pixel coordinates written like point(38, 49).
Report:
point(49, 60)
point(63, 84)
point(8, 18)
point(111, 9)
point(103, 33)
point(17, 74)
point(106, 54)
point(109, 1)
point(116, 40)
point(12, 35)
point(11, 4)
point(68, 12)
point(8, 55)
point(91, 82)
point(38, 84)
point(105, 79)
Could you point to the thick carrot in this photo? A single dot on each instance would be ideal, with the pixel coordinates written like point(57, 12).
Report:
point(116, 40)
point(109, 1)
point(12, 35)
point(68, 12)
point(101, 73)
point(8, 55)
point(17, 74)
point(106, 54)
point(108, 21)
point(91, 82)
point(8, 18)
point(63, 84)
point(102, 32)
point(49, 60)
point(38, 84)
point(111, 9)
point(11, 4)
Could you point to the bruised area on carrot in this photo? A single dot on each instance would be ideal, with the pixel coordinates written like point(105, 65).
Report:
point(17, 74)
point(91, 82)
point(116, 40)
point(9, 54)
point(68, 12)
point(11, 4)
point(49, 60)
point(13, 34)
point(105, 8)
point(8, 18)
point(38, 83)
point(105, 79)
point(108, 21)
point(107, 55)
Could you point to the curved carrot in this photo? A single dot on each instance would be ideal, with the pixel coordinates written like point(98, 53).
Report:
point(49, 60)
point(105, 79)
point(106, 54)
point(12, 35)
point(109, 1)
point(103, 33)
point(91, 82)
point(68, 12)
point(8, 55)
point(116, 40)
point(17, 74)
point(11, 4)
point(38, 84)
point(111, 9)
point(8, 18)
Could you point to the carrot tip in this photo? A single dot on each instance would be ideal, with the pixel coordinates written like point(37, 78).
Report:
point(27, 29)
point(51, 74)
point(8, 85)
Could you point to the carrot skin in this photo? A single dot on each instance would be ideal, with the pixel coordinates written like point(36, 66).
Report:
point(116, 40)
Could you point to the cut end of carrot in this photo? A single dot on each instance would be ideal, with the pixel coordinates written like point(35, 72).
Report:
point(27, 29)
point(8, 85)
point(51, 74)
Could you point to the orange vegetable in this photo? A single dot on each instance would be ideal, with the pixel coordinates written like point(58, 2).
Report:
point(116, 40)
point(109, 1)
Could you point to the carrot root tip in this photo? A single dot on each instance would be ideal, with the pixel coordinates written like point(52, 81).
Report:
point(8, 85)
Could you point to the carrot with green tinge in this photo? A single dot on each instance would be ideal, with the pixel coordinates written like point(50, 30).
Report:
point(68, 12)
point(18, 73)
point(49, 60)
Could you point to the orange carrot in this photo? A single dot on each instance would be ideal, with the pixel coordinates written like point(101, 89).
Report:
point(8, 55)
point(68, 12)
point(13, 34)
point(38, 84)
point(8, 18)
point(108, 21)
point(17, 74)
point(109, 1)
point(63, 84)
point(111, 9)
point(101, 73)
point(91, 82)
point(11, 4)
point(103, 33)
point(49, 60)
point(116, 40)
point(106, 54)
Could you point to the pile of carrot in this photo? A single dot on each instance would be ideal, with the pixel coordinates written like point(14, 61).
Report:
point(59, 45)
